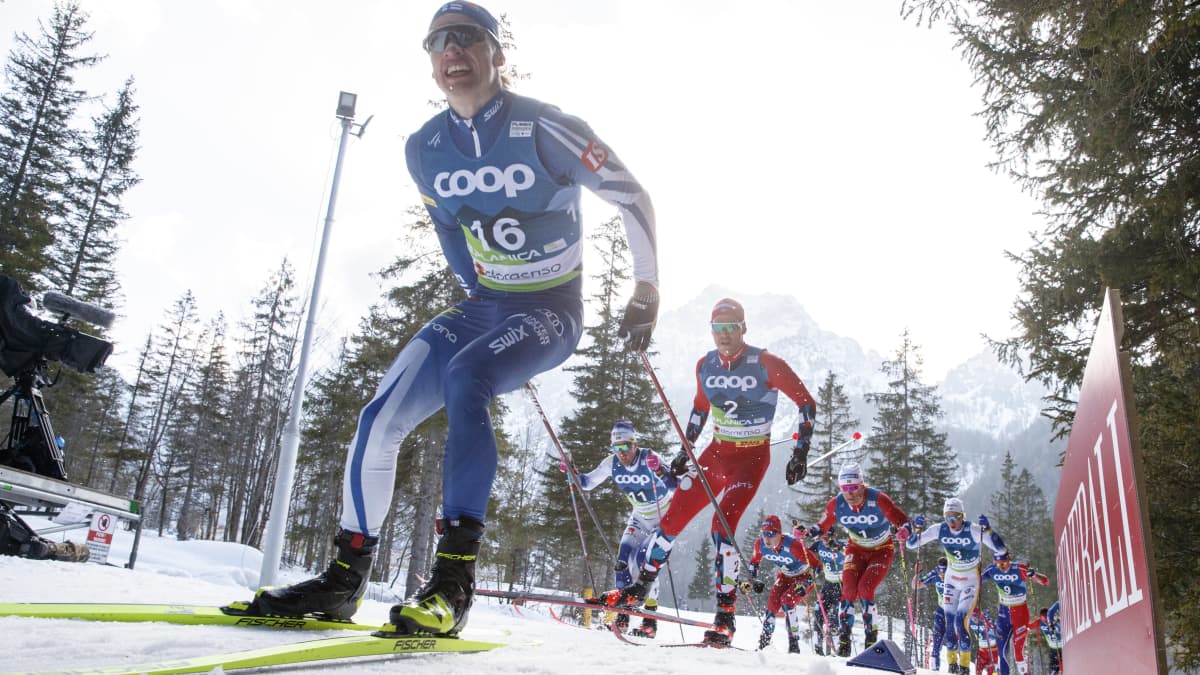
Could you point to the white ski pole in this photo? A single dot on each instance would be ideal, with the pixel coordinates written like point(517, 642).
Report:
point(853, 439)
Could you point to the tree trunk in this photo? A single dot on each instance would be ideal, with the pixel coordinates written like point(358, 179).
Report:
point(426, 510)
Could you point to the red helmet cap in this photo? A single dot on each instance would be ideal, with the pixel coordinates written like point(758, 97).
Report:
point(728, 305)
point(772, 525)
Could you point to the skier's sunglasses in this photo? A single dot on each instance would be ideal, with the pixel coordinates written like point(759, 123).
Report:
point(954, 516)
point(622, 447)
point(727, 327)
point(851, 488)
point(768, 533)
point(462, 34)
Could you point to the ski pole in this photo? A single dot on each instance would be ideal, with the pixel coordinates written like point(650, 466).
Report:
point(574, 480)
point(826, 634)
point(687, 447)
point(907, 590)
point(587, 563)
point(670, 576)
point(854, 438)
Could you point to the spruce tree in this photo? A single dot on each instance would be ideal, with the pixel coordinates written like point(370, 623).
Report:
point(700, 590)
point(1092, 107)
point(36, 138)
point(835, 424)
point(168, 359)
point(202, 430)
point(910, 459)
point(1020, 513)
point(262, 386)
point(85, 247)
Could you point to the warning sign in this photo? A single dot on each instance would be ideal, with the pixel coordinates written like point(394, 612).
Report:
point(99, 538)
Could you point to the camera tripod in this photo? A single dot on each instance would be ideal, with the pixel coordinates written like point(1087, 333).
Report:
point(32, 444)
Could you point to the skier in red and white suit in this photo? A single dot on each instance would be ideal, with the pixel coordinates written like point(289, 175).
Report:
point(740, 385)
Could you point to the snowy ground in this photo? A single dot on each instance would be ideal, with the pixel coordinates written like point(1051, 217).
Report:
point(205, 572)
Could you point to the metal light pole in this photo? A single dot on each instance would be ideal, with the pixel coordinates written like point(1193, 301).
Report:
point(285, 473)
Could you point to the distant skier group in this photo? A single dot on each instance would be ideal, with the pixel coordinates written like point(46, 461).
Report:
point(500, 176)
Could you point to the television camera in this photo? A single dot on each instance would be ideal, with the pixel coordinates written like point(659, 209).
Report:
point(28, 344)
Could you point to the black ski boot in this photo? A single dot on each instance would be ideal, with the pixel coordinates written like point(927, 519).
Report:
point(764, 638)
point(844, 641)
point(793, 645)
point(441, 606)
point(334, 595)
point(648, 629)
point(723, 624)
point(620, 624)
point(631, 596)
point(871, 635)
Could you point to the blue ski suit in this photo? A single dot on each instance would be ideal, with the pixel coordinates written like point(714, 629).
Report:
point(503, 191)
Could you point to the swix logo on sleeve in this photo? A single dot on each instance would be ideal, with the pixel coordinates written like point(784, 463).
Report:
point(594, 156)
point(745, 383)
point(512, 179)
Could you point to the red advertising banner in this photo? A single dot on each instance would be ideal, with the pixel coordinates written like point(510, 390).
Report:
point(1105, 579)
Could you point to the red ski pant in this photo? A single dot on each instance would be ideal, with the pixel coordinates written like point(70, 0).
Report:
point(733, 472)
point(864, 570)
point(986, 659)
point(1012, 627)
point(787, 592)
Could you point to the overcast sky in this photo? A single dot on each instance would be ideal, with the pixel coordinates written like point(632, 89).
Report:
point(826, 150)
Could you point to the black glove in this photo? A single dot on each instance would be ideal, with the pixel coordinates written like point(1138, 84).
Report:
point(637, 323)
point(803, 584)
point(748, 585)
point(679, 465)
point(797, 466)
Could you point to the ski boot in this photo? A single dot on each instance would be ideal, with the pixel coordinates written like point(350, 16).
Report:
point(631, 596)
point(844, 641)
point(649, 627)
point(871, 636)
point(818, 650)
point(723, 624)
point(620, 624)
point(793, 645)
point(334, 595)
point(441, 606)
point(764, 638)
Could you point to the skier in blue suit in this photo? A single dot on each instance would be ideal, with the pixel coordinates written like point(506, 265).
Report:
point(642, 475)
point(500, 176)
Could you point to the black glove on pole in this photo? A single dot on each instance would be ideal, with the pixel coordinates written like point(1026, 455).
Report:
point(641, 313)
point(797, 466)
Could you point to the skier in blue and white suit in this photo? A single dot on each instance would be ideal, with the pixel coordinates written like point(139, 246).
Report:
point(500, 175)
point(963, 545)
point(642, 475)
